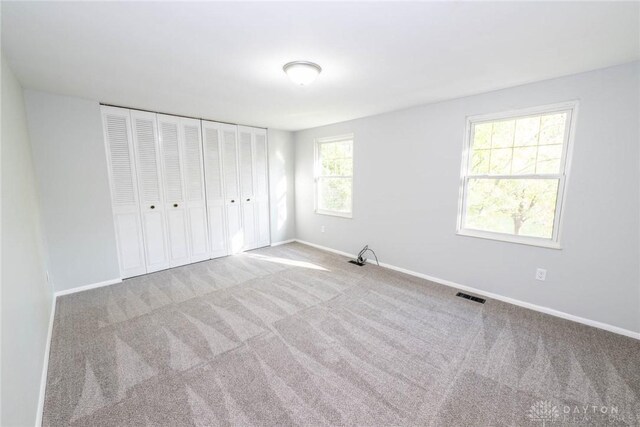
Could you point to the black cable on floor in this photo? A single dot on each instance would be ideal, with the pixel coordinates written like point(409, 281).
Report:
point(374, 254)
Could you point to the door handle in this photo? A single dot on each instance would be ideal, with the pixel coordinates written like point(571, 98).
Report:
point(152, 207)
point(233, 201)
point(175, 205)
point(248, 200)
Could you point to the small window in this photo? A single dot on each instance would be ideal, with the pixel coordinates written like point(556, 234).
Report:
point(334, 176)
point(514, 173)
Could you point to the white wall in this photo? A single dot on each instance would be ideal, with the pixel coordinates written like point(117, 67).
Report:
point(407, 167)
point(281, 183)
point(71, 166)
point(26, 295)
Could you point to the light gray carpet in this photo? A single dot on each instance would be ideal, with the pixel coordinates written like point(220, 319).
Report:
point(292, 335)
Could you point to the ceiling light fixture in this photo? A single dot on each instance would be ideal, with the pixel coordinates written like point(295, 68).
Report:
point(302, 72)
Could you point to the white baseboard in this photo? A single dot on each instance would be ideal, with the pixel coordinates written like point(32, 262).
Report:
point(87, 287)
point(283, 242)
point(530, 306)
point(45, 364)
point(324, 248)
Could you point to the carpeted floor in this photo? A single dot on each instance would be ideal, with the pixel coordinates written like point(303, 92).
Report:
point(292, 335)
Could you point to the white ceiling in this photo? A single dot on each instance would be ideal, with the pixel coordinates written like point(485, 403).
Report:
point(224, 60)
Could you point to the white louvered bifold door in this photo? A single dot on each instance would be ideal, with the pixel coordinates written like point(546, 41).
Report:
point(235, 232)
point(261, 179)
point(145, 142)
point(124, 191)
point(174, 191)
point(216, 207)
point(193, 176)
point(247, 185)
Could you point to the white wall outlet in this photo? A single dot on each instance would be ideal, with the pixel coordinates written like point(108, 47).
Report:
point(541, 274)
point(322, 228)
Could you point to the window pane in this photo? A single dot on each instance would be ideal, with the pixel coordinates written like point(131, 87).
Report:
point(336, 158)
point(482, 136)
point(335, 150)
point(552, 128)
point(527, 130)
point(327, 166)
point(344, 149)
point(334, 194)
point(502, 135)
point(524, 207)
point(480, 161)
point(343, 167)
point(327, 150)
point(336, 167)
point(524, 160)
point(549, 159)
point(501, 161)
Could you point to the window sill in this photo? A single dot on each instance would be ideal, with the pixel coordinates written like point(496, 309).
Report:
point(528, 241)
point(338, 214)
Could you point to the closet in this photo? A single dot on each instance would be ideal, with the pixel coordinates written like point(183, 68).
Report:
point(184, 190)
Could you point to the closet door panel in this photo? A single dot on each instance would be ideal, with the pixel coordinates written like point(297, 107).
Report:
point(248, 222)
point(192, 155)
point(170, 133)
point(198, 234)
point(145, 142)
point(155, 240)
point(260, 165)
point(213, 171)
point(191, 148)
point(261, 173)
point(177, 237)
point(235, 232)
point(213, 160)
point(263, 223)
point(130, 249)
point(247, 187)
point(124, 191)
point(230, 165)
point(217, 227)
point(246, 162)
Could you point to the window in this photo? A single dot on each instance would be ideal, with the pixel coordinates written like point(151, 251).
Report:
point(514, 173)
point(334, 176)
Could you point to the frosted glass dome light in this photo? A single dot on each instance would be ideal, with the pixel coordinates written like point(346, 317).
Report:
point(302, 72)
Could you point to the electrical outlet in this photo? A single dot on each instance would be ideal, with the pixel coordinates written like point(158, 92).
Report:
point(322, 228)
point(541, 274)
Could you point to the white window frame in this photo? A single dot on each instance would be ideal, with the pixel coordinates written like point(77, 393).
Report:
point(317, 169)
point(571, 108)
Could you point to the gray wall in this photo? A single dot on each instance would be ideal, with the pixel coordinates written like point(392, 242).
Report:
point(26, 295)
point(281, 183)
point(71, 166)
point(407, 172)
